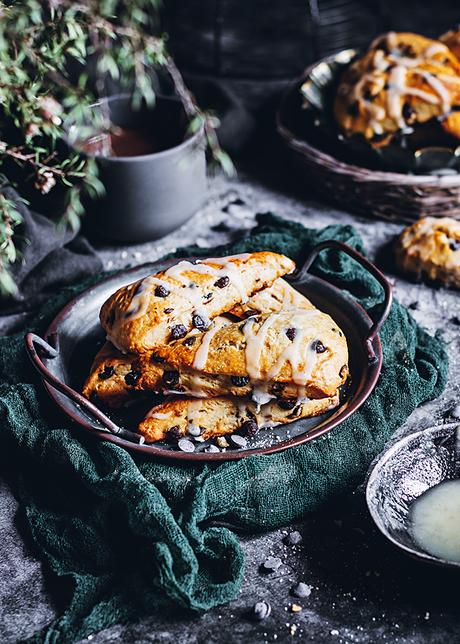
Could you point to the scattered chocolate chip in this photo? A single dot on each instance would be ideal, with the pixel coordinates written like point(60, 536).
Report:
point(455, 412)
point(222, 282)
point(367, 94)
point(132, 377)
point(271, 564)
point(212, 449)
point(318, 346)
point(408, 111)
point(353, 109)
point(239, 381)
point(186, 445)
point(189, 341)
point(238, 441)
point(161, 291)
point(178, 331)
point(301, 590)
point(199, 323)
point(111, 318)
point(156, 358)
point(293, 538)
point(169, 310)
point(455, 320)
point(208, 296)
point(107, 372)
point(343, 370)
point(194, 430)
point(286, 403)
point(261, 610)
point(170, 378)
point(173, 434)
point(454, 244)
point(291, 333)
point(249, 428)
point(413, 306)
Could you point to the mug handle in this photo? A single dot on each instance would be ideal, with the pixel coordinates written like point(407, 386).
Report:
point(300, 274)
point(32, 341)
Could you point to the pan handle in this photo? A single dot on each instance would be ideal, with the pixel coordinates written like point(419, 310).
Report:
point(33, 341)
point(299, 275)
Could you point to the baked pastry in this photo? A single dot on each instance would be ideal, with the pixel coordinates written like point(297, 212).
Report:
point(111, 381)
point(299, 346)
point(165, 306)
point(280, 295)
point(431, 248)
point(452, 40)
point(403, 81)
point(219, 416)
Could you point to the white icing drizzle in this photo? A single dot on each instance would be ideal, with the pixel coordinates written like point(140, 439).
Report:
point(201, 355)
point(260, 394)
point(158, 415)
point(255, 343)
point(193, 410)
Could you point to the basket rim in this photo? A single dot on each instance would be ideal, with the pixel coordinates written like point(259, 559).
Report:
point(359, 173)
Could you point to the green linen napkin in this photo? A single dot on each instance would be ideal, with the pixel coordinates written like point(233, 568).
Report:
point(125, 534)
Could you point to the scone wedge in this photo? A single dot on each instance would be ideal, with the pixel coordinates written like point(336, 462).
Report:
point(165, 306)
point(303, 347)
point(224, 415)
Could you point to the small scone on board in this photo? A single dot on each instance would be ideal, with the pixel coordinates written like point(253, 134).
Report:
point(214, 417)
point(165, 306)
point(303, 347)
point(430, 248)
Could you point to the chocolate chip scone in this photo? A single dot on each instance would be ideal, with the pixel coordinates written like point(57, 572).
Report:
point(304, 347)
point(165, 306)
point(402, 81)
point(219, 416)
point(112, 380)
point(431, 248)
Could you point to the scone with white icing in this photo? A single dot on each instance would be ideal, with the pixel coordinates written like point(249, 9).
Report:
point(303, 347)
point(165, 306)
point(219, 416)
point(404, 80)
point(430, 248)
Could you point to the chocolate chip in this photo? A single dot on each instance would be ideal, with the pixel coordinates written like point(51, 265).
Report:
point(318, 346)
point(343, 370)
point(250, 313)
point(173, 434)
point(287, 403)
point(189, 341)
point(169, 310)
point(293, 538)
point(408, 111)
point(455, 320)
point(178, 331)
point(277, 388)
point(170, 378)
point(238, 441)
point(301, 590)
point(111, 318)
point(413, 306)
point(107, 372)
point(161, 291)
point(239, 381)
point(199, 323)
point(454, 244)
point(186, 445)
point(353, 109)
point(132, 377)
point(249, 428)
point(291, 333)
point(156, 358)
point(222, 282)
point(271, 564)
point(261, 610)
point(208, 296)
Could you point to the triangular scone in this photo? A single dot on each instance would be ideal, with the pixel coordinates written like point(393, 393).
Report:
point(163, 307)
point(111, 381)
point(279, 296)
point(218, 416)
point(305, 347)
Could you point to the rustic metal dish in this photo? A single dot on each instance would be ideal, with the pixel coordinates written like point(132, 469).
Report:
point(411, 466)
point(399, 182)
point(64, 357)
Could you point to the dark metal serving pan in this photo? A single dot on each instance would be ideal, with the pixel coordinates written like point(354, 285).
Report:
point(64, 356)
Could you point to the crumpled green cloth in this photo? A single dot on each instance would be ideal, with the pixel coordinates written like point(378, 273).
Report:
point(125, 534)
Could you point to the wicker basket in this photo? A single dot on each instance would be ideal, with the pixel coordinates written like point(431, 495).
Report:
point(390, 195)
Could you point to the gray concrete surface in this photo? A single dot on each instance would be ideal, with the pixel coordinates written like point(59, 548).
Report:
point(363, 591)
